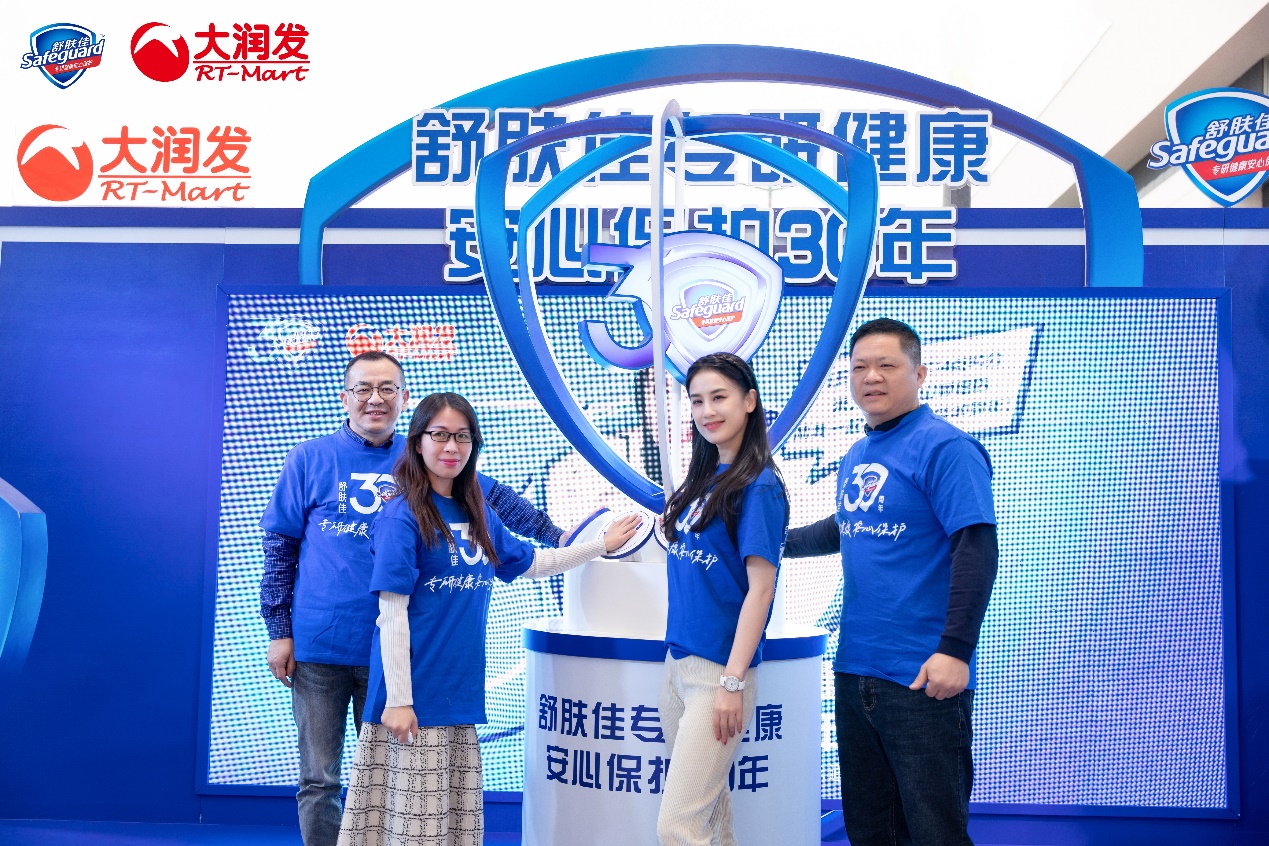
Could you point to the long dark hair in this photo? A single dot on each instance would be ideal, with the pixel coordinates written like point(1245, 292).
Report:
point(752, 458)
point(411, 476)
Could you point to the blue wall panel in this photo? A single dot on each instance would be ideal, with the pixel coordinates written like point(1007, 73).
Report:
point(1025, 266)
point(1184, 267)
point(390, 264)
point(261, 264)
point(105, 420)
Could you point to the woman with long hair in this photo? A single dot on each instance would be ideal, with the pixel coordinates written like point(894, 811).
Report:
point(437, 549)
point(726, 525)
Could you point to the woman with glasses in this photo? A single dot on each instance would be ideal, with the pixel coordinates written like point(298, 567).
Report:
point(437, 549)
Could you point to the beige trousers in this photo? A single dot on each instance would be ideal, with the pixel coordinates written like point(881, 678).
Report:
point(696, 804)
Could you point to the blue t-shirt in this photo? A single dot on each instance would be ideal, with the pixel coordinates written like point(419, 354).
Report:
point(329, 492)
point(901, 494)
point(449, 590)
point(708, 580)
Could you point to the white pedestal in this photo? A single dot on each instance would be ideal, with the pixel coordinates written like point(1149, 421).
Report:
point(581, 774)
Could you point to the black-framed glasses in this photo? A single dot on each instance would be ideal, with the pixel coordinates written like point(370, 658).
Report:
point(363, 392)
point(442, 437)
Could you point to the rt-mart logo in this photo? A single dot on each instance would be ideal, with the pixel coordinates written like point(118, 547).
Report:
point(179, 165)
point(241, 52)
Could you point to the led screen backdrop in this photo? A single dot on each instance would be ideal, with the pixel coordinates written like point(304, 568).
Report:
point(1101, 417)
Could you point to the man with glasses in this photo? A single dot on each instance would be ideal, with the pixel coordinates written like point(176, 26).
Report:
point(315, 595)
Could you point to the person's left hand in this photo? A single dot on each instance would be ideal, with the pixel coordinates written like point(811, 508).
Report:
point(727, 714)
point(401, 723)
point(942, 676)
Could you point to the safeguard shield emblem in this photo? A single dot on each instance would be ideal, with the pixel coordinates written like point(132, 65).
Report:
point(63, 51)
point(710, 306)
point(721, 293)
point(1221, 137)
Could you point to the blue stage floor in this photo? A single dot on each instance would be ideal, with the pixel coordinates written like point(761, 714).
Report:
point(75, 833)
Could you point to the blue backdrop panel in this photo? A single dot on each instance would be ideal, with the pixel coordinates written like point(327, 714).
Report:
point(1106, 450)
point(105, 424)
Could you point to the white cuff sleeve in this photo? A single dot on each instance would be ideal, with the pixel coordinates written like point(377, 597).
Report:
point(548, 562)
point(394, 646)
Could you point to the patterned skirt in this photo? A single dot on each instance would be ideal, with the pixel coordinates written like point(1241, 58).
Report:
point(425, 793)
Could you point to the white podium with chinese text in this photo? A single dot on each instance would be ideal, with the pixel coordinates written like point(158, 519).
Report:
point(595, 756)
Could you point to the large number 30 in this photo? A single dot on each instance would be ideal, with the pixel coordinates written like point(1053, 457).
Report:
point(868, 479)
point(369, 482)
point(462, 529)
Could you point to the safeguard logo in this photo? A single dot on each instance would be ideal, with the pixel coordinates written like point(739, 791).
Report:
point(290, 338)
point(722, 295)
point(63, 51)
point(709, 306)
point(1220, 136)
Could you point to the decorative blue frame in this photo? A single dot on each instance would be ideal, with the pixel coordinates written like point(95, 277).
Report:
point(211, 573)
point(1112, 216)
point(526, 336)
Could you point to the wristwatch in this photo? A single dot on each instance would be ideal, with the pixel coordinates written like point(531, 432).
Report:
point(731, 684)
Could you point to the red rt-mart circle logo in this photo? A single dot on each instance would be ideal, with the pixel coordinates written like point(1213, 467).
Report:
point(47, 170)
point(160, 52)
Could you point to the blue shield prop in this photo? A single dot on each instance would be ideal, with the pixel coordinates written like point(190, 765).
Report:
point(517, 309)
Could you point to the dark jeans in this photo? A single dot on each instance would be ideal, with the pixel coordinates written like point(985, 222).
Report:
point(907, 767)
point(319, 700)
